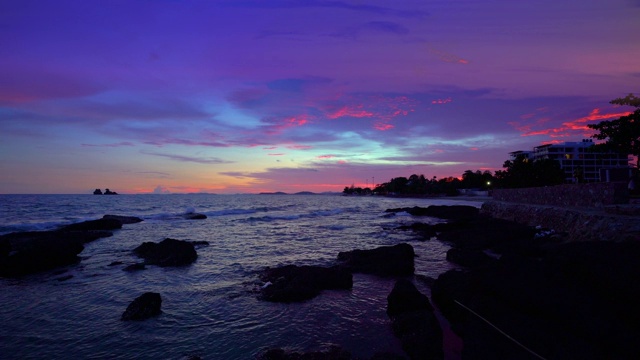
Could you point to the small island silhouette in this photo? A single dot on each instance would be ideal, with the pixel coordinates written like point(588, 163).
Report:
point(106, 192)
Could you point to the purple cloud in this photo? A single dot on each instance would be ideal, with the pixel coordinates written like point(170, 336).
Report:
point(183, 158)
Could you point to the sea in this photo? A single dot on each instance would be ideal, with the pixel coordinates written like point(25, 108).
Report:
point(211, 308)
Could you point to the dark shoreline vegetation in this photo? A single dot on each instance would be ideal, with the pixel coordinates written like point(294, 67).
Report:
point(557, 299)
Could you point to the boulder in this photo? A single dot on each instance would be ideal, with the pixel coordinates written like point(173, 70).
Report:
point(577, 300)
point(487, 233)
point(123, 219)
point(449, 212)
point(293, 283)
point(143, 307)
point(31, 252)
point(468, 257)
point(414, 322)
point(397, 260)
point(194, 216)
point(427, 231)
point(405, 297)
point(169, 252)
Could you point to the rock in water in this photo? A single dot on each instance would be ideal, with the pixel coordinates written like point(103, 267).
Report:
point(31, 252)
point(414, 322)
point(293, 283)
point(169, 252)
point(406, 297)
point(143, 307)
point(194, 216)
point(123, 219)
point(394, 260)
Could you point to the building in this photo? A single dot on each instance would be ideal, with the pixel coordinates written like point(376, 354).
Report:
point(579, 162)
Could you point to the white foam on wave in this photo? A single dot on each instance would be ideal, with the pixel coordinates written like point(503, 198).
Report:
point(230, 212)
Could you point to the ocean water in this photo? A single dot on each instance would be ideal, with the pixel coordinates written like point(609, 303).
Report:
point(210, 308)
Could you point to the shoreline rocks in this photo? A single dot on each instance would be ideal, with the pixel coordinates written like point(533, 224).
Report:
point(292, 283)
point(414, 321)
point(123, 219)
point(143, 307)
point(449, 212)
point(168, 252)
point(560, 299)
point(24, 253)
point(397, 260)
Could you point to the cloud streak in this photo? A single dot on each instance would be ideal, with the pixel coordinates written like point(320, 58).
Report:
point(183, 158)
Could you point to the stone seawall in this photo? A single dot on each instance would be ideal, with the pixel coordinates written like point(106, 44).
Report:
point(580, 224)
point(594, 195)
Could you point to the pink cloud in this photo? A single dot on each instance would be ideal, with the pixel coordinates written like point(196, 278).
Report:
point(350, 111)
point(325, 156)
point(277, 154)
point(286, 123)
point(441, 101)
point(382, 126)
point(567, 128)
point(299, 147)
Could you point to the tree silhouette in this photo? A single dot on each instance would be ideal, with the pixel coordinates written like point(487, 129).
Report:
point(623, 134)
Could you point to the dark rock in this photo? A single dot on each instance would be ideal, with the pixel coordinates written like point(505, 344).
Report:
point(30, 252)
point(143, 307)
point(468, 257)
point(484, 232)
point(123, 219)
point(397, 260)
point(194, 216)
point(100, 224)
point(200, 243)
point(135, 267)
point(449, 212)
point(405, 297)
point(293, 283)
point(576, 300)
point(97, 192)
point(109, 192)
point(169, 252)
point(414, 322)
point(426, 230)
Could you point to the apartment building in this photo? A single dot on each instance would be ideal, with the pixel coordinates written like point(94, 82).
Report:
point(579, 162)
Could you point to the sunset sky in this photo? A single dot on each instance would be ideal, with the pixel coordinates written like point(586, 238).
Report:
point(145, 96)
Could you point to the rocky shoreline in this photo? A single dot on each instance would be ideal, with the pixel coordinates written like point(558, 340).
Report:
point(520, 292)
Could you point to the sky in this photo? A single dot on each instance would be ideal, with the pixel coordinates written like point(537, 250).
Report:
point(168, 96)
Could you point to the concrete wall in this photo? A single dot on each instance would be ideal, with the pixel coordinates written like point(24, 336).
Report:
point(592, 195)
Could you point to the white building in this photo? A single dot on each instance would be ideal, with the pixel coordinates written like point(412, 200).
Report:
point(578, 161)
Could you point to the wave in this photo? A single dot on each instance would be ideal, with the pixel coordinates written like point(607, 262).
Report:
point(312, 214)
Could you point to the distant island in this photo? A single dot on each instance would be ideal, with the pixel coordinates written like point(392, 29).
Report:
point(106, 192)
point(298, 193)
